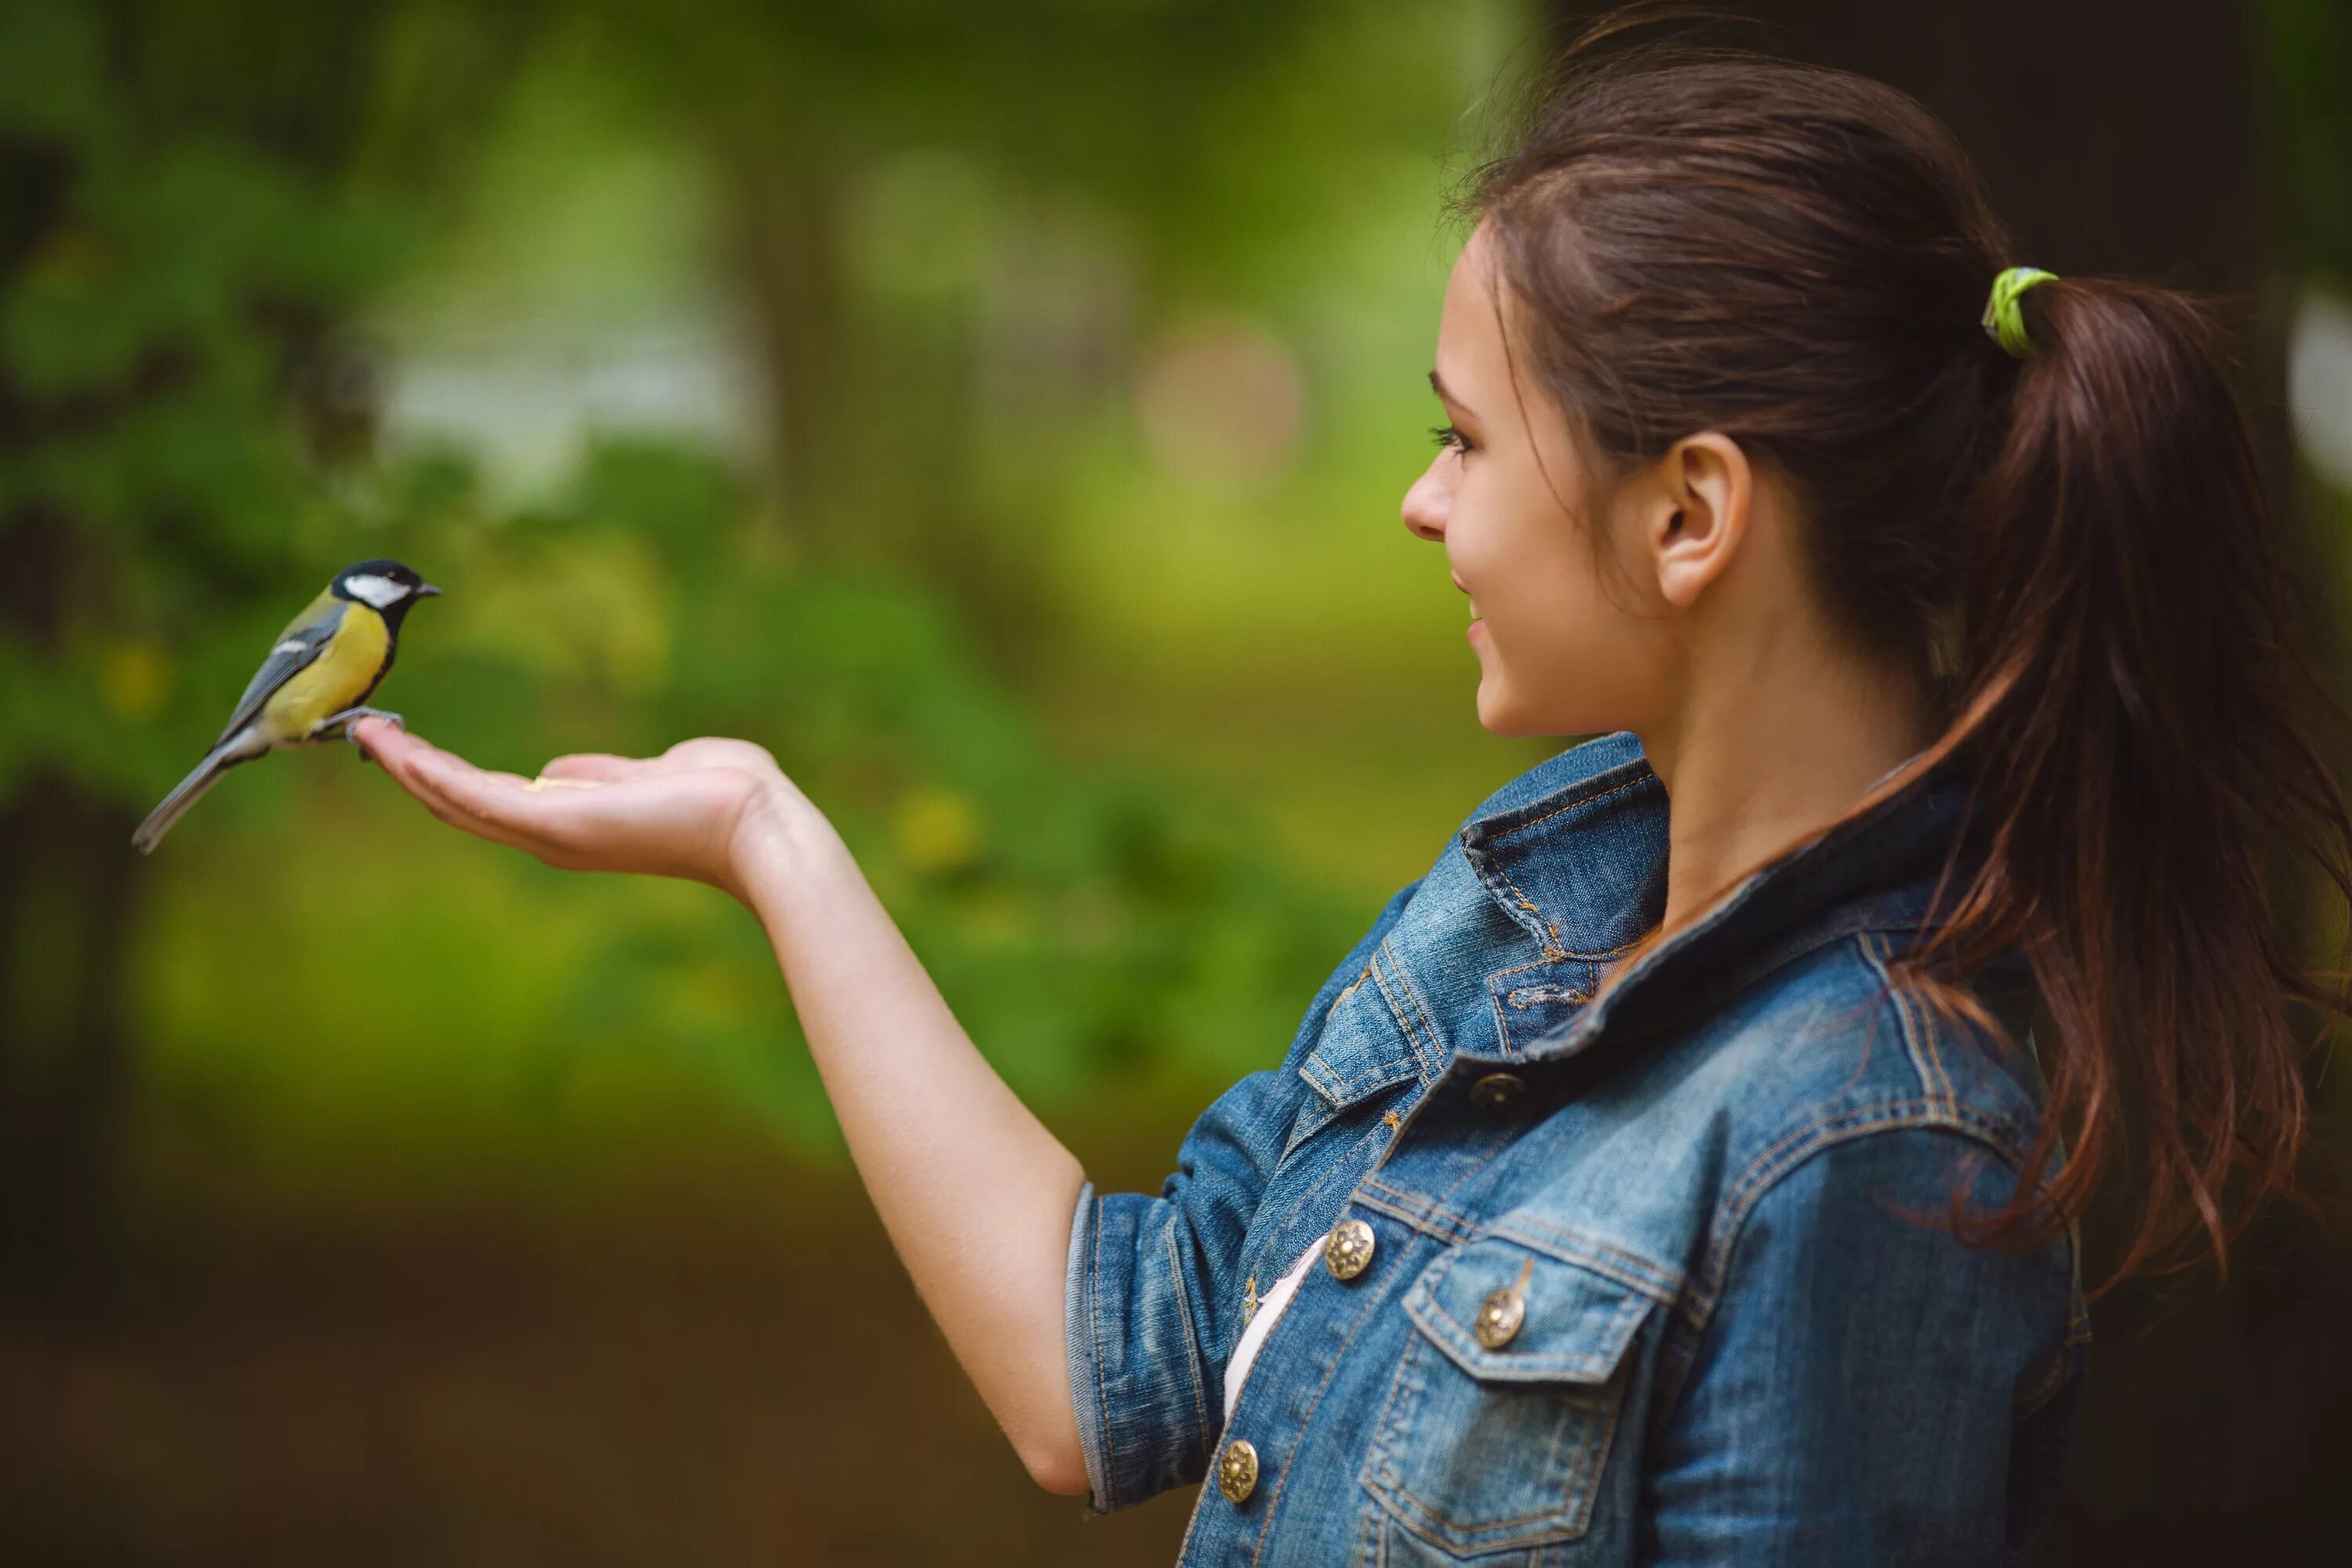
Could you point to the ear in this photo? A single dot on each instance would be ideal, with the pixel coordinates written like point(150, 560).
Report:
point(1697, 511)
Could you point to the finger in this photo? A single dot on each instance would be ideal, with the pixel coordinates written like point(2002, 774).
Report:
point(502, 800)
point(379, 737)
point(405, 775)
point(457, 792)
point(461, 778)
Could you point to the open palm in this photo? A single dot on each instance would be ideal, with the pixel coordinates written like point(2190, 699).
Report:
point(676, 814)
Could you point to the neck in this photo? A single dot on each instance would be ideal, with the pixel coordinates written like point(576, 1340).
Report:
point(1774, 748)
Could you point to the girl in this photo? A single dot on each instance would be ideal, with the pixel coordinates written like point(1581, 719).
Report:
point(1671, 1171)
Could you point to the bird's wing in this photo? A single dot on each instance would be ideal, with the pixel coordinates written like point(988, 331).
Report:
point(304, 638)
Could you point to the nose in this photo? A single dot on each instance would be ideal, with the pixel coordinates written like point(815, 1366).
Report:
point(1425, 506)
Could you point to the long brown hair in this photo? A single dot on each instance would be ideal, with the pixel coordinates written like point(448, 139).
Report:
point(2071, 552)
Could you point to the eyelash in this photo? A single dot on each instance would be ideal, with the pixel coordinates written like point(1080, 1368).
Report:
point(1447, 437)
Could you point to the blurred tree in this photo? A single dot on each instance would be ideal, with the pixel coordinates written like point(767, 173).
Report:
point(194, 194)
point(886, 168)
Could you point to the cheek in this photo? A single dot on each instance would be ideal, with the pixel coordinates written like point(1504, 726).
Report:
point(1559, 650)
point(1536, 582)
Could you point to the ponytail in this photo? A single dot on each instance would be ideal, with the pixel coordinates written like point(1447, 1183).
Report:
point(2136, 693)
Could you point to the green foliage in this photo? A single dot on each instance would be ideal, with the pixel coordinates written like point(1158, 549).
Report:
point(166, 294)
point(322, 971)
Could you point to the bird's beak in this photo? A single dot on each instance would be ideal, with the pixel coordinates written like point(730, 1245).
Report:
point(428, 591)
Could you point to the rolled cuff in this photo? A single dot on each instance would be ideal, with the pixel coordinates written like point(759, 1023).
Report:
point(1079, 1320)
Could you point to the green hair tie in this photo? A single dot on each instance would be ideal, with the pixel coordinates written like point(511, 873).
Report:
point(2002, 322)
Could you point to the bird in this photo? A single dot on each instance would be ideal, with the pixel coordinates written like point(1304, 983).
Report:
point(316, 680)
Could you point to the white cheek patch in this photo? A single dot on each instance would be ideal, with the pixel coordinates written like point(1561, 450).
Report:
point(372, 589)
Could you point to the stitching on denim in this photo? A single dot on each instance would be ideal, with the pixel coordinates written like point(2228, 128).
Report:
point(1379, 1451)
point(1733, 981)
point(1504, 1137)
point(1342, 1086)
point(1553, 948)
point(1401, 1206)
point(1929, 1040)
point(1822, 1133)
point(1602, 1401)
point(1876, 952)
point(1507, 1045)
point(1430, 1055)
point(1191, 1338)
point(1567, 1245)
point(1916, 1021)
point(1439, 1052)
point(1652, 1280)
point(1328, 1114)
point(1575, 1516)
point(1544, 993)
point(1575, 803)
point(1504, 1046)
point(1349, 991)
point(1520, 969)
point(1633, 1306)
point(1886, 1116)
point(1578, 1251)
point(1309, 1197)
point(1102, 1385)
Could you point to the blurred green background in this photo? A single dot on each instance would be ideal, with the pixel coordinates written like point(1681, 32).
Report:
point(1001, 412)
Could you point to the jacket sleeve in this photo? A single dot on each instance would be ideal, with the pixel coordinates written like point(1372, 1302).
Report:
point(1869, 1390)
point(1152, 1296)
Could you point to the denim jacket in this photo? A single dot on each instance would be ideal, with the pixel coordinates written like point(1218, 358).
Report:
point(1660, 1278)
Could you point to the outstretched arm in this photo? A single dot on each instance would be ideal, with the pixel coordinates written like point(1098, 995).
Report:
point(976, 1194)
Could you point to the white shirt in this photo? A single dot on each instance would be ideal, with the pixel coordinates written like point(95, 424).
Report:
point(1261, 1323)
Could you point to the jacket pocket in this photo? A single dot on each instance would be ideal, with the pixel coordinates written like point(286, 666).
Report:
point(1495, 1431)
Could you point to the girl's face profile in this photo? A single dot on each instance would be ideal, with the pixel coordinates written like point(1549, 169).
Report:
point(1556, 655)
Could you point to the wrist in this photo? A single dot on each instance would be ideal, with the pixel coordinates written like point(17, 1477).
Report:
point(778, 836)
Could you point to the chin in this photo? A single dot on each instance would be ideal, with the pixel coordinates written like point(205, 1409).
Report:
point(1496, 714)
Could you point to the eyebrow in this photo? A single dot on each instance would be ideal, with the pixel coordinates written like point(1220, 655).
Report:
point(1438, 386)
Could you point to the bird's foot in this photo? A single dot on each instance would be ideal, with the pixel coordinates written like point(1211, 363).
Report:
point(339, 726)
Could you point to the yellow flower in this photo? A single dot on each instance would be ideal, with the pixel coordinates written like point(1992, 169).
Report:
point(131, 679)
point(938, 831)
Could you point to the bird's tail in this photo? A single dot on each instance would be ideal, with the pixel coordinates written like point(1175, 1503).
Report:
point(190, 790)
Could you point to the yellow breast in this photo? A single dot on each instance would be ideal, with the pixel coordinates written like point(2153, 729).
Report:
point(340, 678)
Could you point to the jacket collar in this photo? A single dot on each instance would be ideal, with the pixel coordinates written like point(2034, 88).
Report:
point(1575, 852)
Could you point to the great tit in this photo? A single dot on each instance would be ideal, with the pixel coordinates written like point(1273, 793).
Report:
point(326, 663)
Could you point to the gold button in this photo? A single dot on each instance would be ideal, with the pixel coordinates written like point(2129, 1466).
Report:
point(1249, 1299)
point(1500, 1318)
point(1238, 1471)
point(1500, 1091)
point(1500, 1315)
point(1347, 1250)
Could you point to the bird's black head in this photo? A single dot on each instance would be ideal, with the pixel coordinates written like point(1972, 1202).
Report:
point(386, 587)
